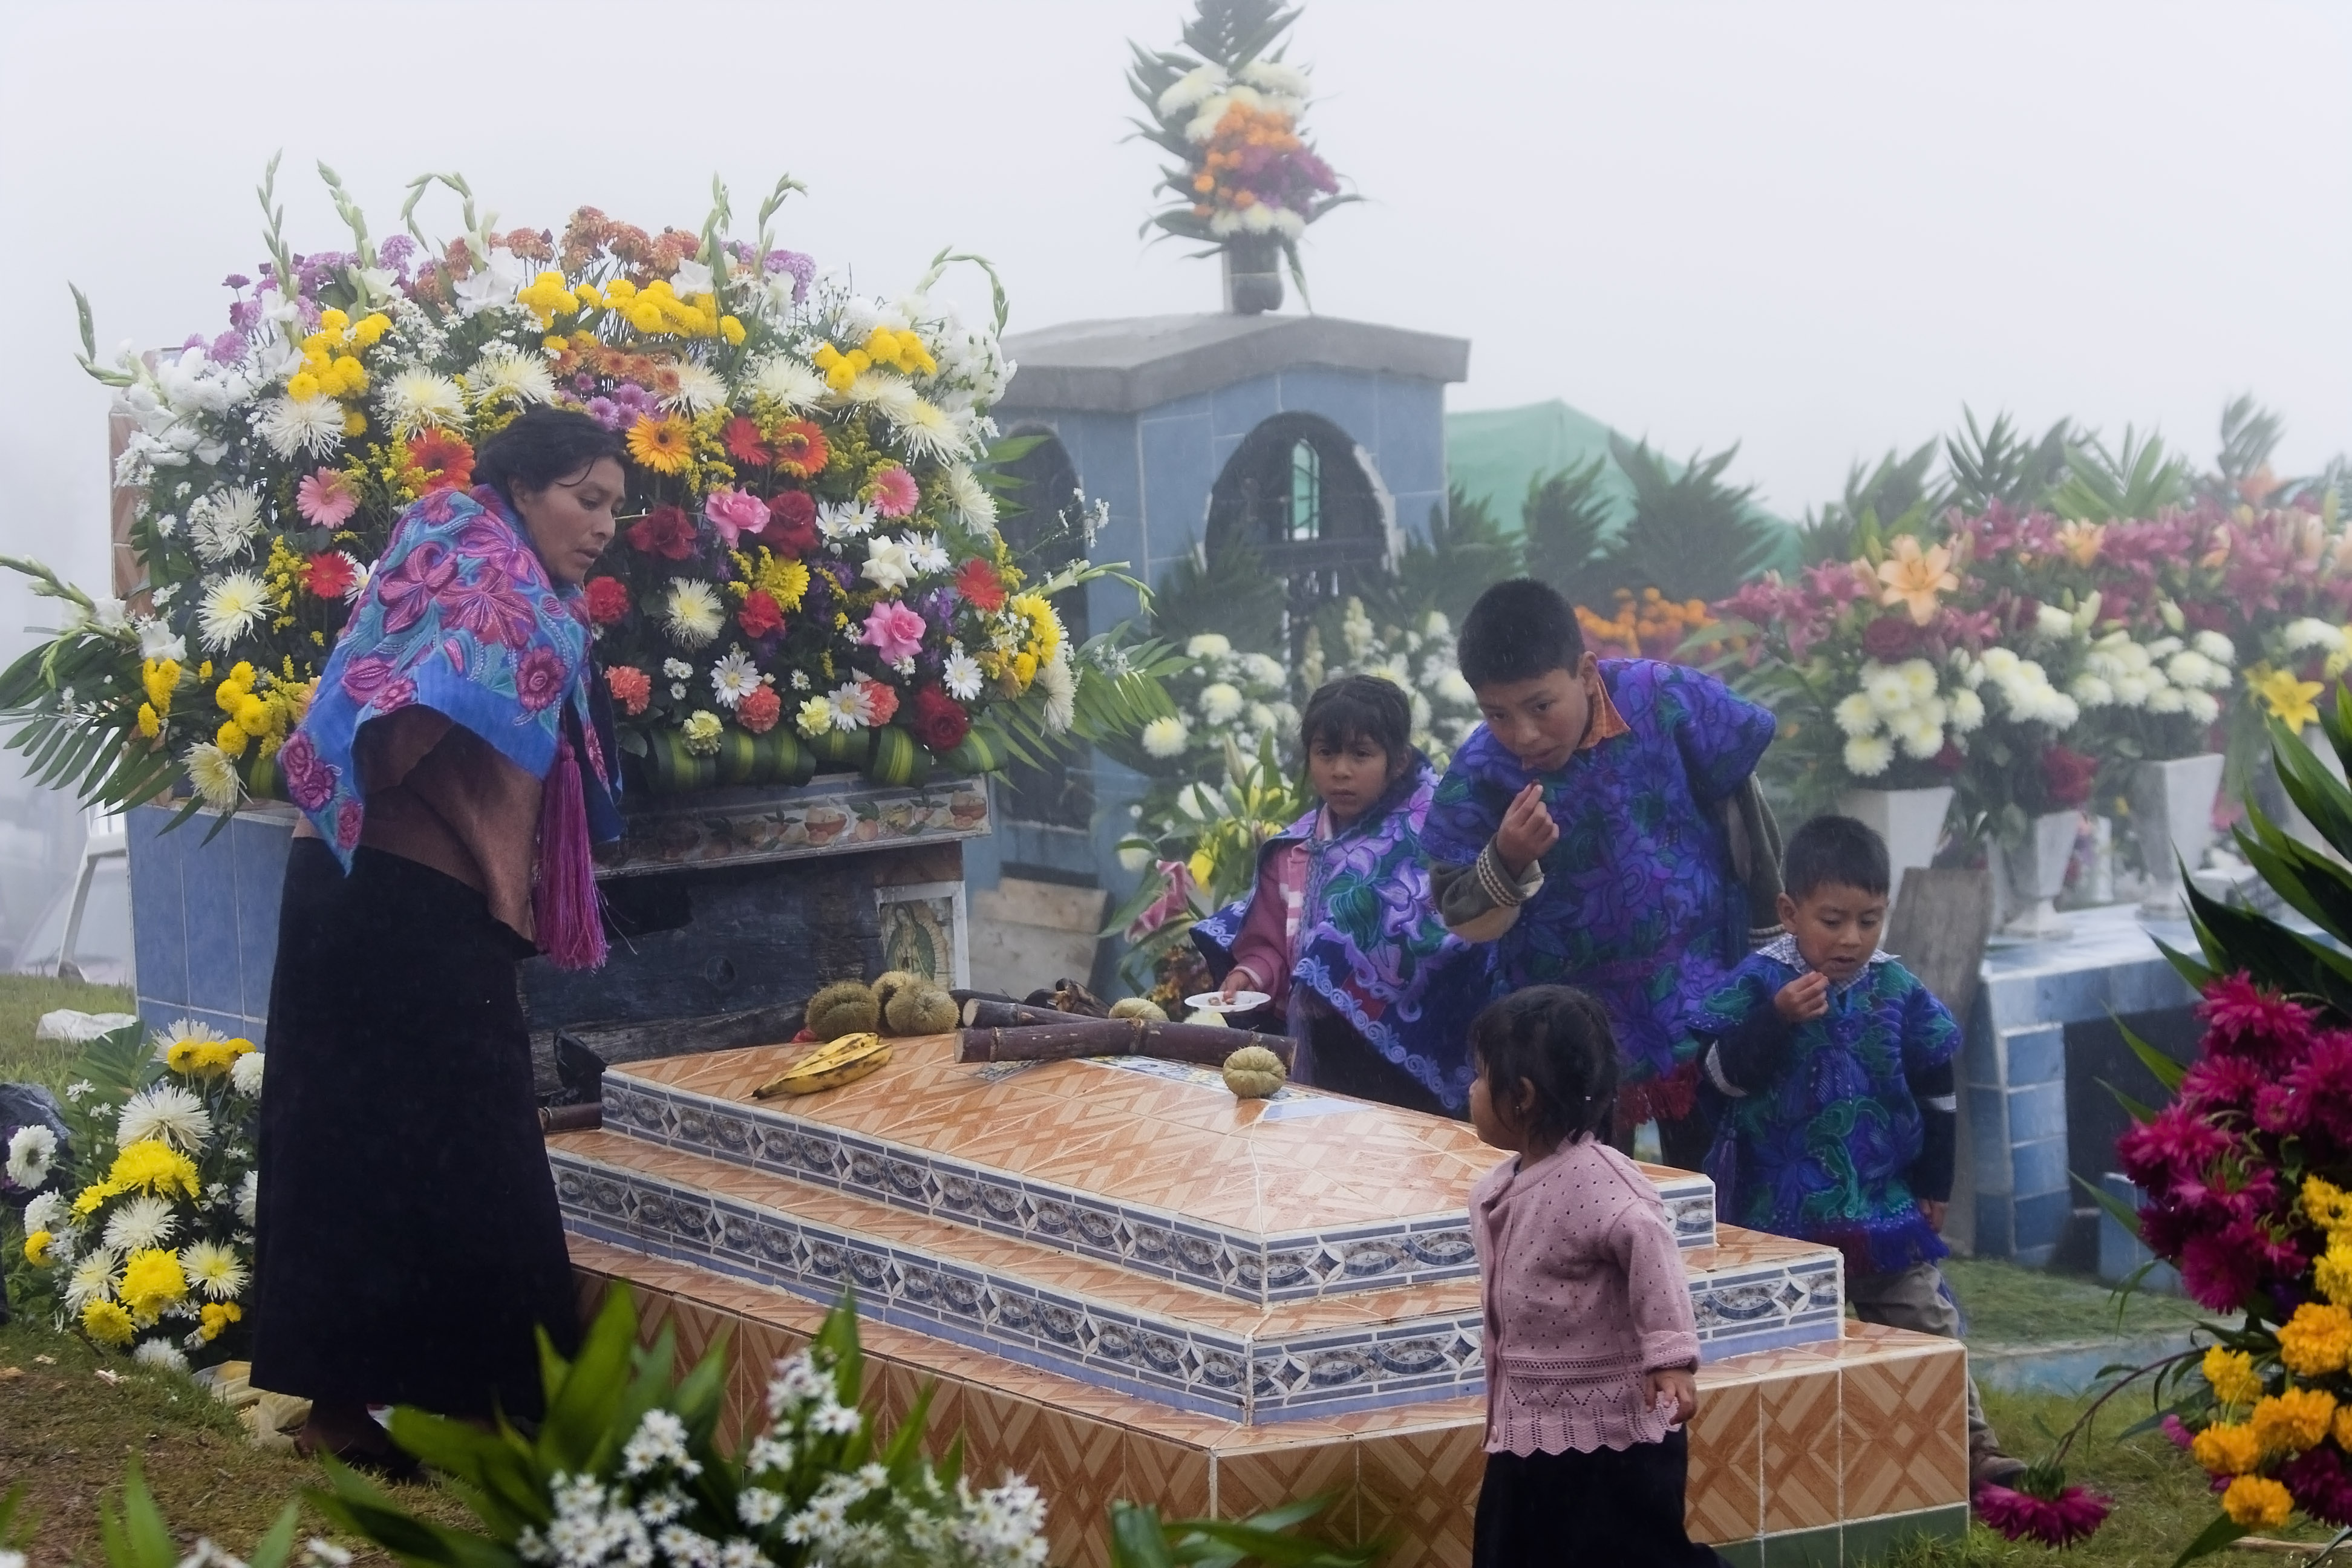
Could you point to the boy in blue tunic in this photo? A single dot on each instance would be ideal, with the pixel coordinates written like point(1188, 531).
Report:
point(1829, 1068)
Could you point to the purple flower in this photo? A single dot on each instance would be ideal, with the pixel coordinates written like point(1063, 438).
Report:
point(194, 341)
point(395, 252)
point(227, 348)
point(245, 315)
point(802, 268)
point(938, 606)
point(605, 412)
point(235, 280)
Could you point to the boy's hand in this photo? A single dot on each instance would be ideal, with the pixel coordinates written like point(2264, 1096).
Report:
point(1933, 1210)
point(1675, 1383)
point(1804, 998)
point(1528, 832)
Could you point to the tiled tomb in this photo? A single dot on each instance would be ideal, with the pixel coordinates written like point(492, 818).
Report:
point(1095, 1254)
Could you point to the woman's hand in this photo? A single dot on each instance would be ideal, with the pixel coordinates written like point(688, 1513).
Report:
point(1677, 1383)
point(1528, 832)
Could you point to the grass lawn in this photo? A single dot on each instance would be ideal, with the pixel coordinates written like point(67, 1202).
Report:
point(23, 1000)
point(2007, 1305)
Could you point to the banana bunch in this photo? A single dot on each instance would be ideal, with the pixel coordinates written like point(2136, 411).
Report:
point(843, 1061)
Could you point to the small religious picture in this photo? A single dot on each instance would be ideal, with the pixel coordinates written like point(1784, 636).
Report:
point(923, 931)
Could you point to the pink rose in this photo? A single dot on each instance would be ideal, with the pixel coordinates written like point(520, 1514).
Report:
point(735, 513)
point(894, 631)
point(309, 783)
point(538, 679)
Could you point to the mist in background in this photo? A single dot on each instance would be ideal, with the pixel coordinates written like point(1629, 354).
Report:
point(1818, 230)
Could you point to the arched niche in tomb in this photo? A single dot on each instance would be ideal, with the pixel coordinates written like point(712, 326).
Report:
point(1040, 520)
point(1301, 496)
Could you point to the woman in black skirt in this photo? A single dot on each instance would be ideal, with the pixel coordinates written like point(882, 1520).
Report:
point(450, 771)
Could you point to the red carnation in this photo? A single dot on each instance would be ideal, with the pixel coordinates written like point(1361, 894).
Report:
point(665, 531)
point(742, 440)
point(938, 720)
point(759, 710)
point(631, 688)
point(2067, 774)
point(330, 575)
point(881, 702)
point(760, 616)
point(791, 523)
point(980, 587)
point(1890, 638)
point(608, 600)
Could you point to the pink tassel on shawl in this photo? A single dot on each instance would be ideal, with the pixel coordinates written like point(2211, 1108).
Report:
point(563, 903)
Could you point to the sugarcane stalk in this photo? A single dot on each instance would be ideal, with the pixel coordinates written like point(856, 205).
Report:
point(1066, 1038)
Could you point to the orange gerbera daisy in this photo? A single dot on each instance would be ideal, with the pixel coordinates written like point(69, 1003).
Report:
point(663, 445)
point(800, 450)
point(442, 461)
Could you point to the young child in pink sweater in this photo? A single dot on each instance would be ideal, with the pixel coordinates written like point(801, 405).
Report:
point(1591, 1348)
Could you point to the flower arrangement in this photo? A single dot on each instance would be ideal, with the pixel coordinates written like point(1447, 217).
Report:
point(1649, 626)
point(1418, 657)
point(809, 569)
point(153, 1253)
point(1227, 108)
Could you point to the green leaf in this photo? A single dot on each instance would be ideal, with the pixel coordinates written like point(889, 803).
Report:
point(2122, 1212)
point(581, 1407)
point(274, 1548)
point(2161, 1068)
point(1137, 1539)
point(2211, 1538)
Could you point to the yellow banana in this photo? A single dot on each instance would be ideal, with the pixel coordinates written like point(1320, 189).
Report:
point(830, 1065)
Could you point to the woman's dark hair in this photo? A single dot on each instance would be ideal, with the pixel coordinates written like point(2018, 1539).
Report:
point(1519, 630)
point(1359, 707)
point(1557, 1039)
point(1834, 849)
point(544, 445)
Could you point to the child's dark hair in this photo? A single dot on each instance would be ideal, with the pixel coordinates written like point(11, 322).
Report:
point(1359, 707)
point(1834, 851)
point(1558, 1039)
point(543, 446)
point(1519, 630)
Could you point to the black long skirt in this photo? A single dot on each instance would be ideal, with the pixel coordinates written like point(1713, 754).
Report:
point(1611, 1507)
point(408, 1242)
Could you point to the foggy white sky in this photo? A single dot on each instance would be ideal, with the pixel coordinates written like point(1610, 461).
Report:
point(1816, 228)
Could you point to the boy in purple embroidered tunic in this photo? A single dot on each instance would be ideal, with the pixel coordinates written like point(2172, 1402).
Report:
point(1585, 830)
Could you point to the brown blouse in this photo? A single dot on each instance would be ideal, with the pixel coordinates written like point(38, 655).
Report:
point(437, 794)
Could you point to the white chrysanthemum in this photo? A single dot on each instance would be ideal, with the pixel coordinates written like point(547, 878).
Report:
point(2168, 700)
point(1274, 77)
point(1919, 676)
point(1165, 738)
point(888, 565)
point(301, 425)
point(506, 373)
point(214, 1269)
point(692, 611)
point(887, 394)
point(181, 1031)
point(925, 554)
point(1867, 756)
point(2000, 663)
point(2193, 669)
point(2133, 690)
point(1195, 85)
point(961, 674)
point(1919, 737)
point(699, 390)
point(167, 1112)
point(245, 1077)
point(970, 499)
point(224, 525)
point(1889, 689)
point(234, 603)
point(1220, 703)
point(1208, 645)
point(2052, 621)
point(2203, 707)
point(2091, 691)
point(1857, 714)
point(1259, 717)
point(46, 1212)
point(787, 382)
point(213, 775)
point(1059, 682)
point(734, 678)
point(93, 1278)
point(840, 520)
point(159, 1355)
point(249, 1197)
point(1967, 711)
point(32, 1154)
point(2308, 632)
point(849, 706)
point(143, 1221)
point(928, 431)
point(1454, 690)
point(2215, 646)
point(416, 397)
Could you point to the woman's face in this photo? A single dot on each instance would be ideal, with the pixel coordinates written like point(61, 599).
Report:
point(571, 522)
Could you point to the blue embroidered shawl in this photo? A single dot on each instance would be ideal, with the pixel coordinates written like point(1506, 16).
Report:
point(460, 617)
point(1370, 942)
point(1640, 905)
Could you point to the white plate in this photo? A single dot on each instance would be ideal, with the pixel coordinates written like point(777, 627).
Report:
point(1215, 1001)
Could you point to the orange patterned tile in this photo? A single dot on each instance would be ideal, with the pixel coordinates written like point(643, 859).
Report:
point(1420, 1491)
point(1724, 1497)
point(1906, 1432)
point(1247, 1483)
point(1800, 1421)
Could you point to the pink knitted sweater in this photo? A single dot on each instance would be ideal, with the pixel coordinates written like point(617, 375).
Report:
point(1584, 1293)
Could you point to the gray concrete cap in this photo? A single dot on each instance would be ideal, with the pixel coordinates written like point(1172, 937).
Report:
point(1125, 366)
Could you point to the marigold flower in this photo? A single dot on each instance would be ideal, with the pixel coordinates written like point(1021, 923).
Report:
point(2332, 1275)
point(2292, 1420)
point(2232, 1376)
point(2226, 1449)
point(2257, 1502)
point(2317, 1340)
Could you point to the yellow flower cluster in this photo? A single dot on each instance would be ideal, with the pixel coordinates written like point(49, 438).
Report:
point(2292, 1420)
point(702, 729)
point(901, 351)
point(205, 1059)
point(2317, 1340)
point(2329, 1208)
point(786, 581)
point(265, 715)
point(152, 1165)
point(152, 1281)
point(107, 1322)
point(1041, 640)
point(2232, 1376)
point(2226, 1449)
point(330, 366)
point(160, 676)
point(2257, 1502)
point(36, 1248)
point(653, 310)
point(216, 1318)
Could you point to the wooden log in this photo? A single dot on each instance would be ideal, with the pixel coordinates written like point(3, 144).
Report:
point(1070, 1037)
point(571, 1118)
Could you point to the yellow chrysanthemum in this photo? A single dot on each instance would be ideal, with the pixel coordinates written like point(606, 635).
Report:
point(2291, 1421)
point(217, 1317)
point(107, 1322)
point(153, 1166)
point(2226, 1449)
point(205, 1058)
point(2317, 1340)
point(2231, 1376)
point(149, 724)
point(2328, 1205)
point(665, 446)
point(160, 676)
point(86, 1202)
point(2257, 1502)
point(36, 1248)
point(152, 1280)
point(2333, 1273)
